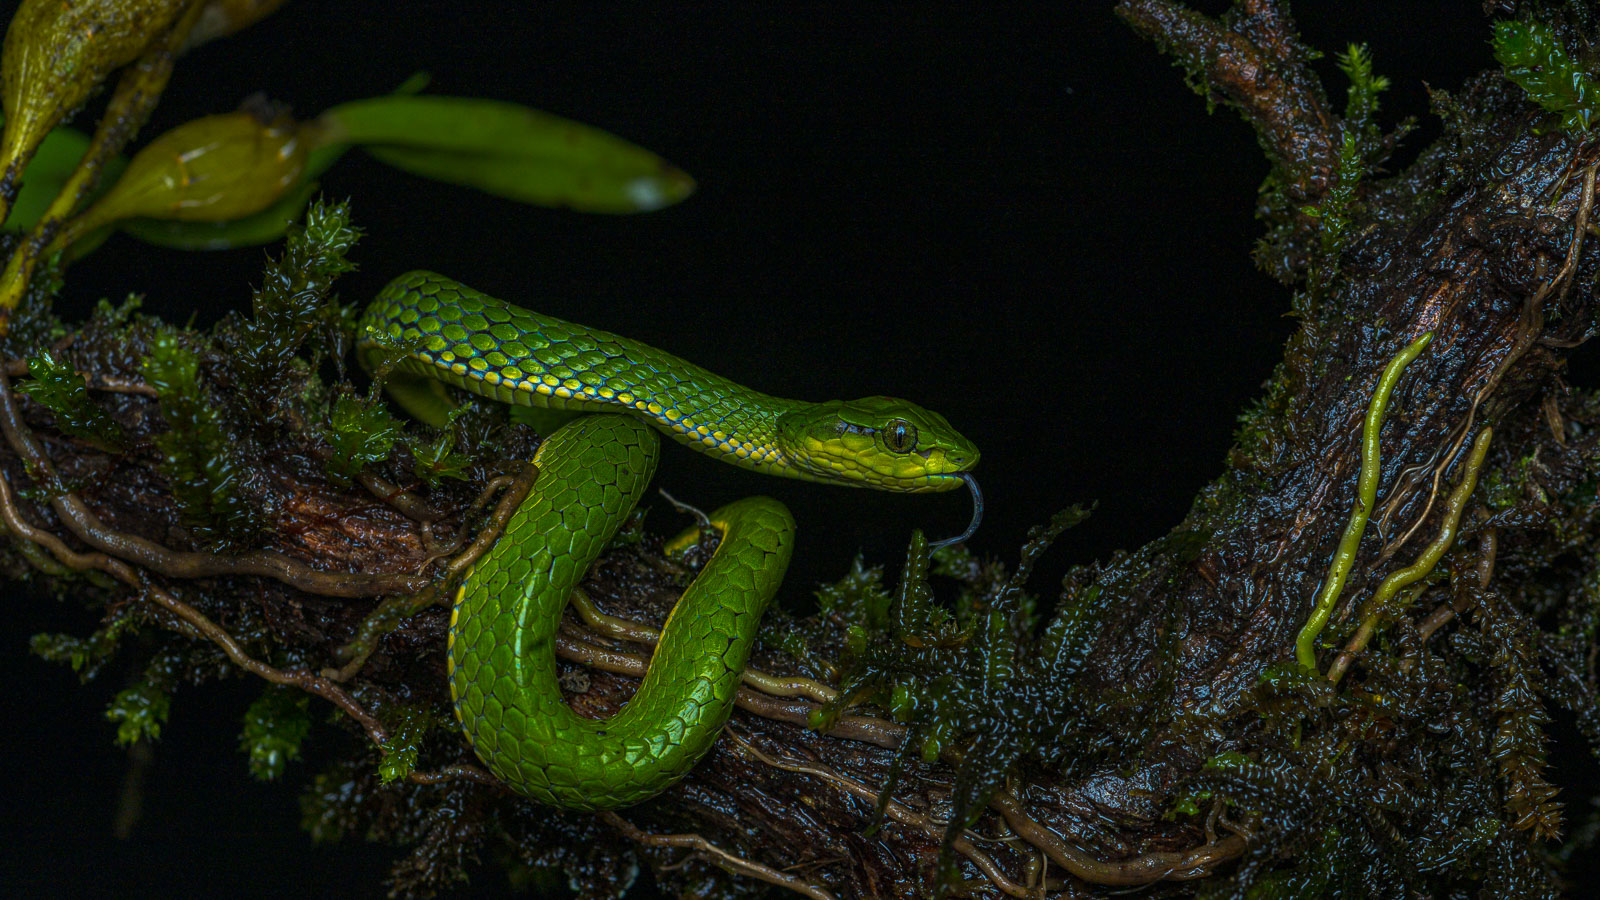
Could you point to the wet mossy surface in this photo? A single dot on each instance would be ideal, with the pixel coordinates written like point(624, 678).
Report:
point(1150, 706)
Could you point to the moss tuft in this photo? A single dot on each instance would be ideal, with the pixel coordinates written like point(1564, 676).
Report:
point(198, 455)
point(274, 727)
point(58, 387)
point(1536, 61)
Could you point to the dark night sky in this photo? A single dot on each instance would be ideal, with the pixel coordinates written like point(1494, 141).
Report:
point(1016, 215)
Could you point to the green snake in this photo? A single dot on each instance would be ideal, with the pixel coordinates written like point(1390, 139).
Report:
point(592, 471)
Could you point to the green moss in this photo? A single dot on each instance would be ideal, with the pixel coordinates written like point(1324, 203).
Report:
point(407, 727)
point(274, 727)
point(1361, 103)
point(58, 387)
point(141, 709)
point(198, 455)
point(1362, 145)
point(85, 656)
point(293, 303)
point(975, 679)
point(1535, 60)
point(435, 459)
point(359, 433)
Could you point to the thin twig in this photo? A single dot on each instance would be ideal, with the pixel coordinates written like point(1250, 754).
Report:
point(1136, 871)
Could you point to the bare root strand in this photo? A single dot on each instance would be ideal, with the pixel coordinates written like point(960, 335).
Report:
point(895, 810)
point(1366, 494)
point(866, 729)
point(391, 612)
point(640, 633)
point(516, 491)
point(414, 507)
point(1488, 546)
point(1377, 606)
point(736, 864)
point(186, 614)
point(1528, 333)
point(304, 680)
point(1137, 871)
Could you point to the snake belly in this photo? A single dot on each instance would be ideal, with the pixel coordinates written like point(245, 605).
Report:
point(427, 331)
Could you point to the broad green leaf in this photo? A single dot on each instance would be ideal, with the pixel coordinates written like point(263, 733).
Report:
point(510, 151)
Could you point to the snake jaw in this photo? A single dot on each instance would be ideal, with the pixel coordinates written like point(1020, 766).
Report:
point(864, 443)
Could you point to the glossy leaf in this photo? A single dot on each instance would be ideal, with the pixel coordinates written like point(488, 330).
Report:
point(510, 151)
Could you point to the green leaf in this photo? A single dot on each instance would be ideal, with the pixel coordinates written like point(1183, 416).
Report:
point(274, 727)
point(58, 387)
point(510, 151)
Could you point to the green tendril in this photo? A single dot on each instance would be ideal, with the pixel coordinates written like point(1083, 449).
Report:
point(1366, 496)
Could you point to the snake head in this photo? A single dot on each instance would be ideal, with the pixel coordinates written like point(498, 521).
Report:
point(879, 442)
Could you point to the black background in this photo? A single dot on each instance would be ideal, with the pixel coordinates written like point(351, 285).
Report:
point(1016, 215)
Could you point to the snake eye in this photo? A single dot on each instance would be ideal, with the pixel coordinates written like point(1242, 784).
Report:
point(900, 436)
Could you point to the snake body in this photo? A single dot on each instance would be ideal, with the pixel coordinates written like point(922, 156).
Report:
point(591, 473)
